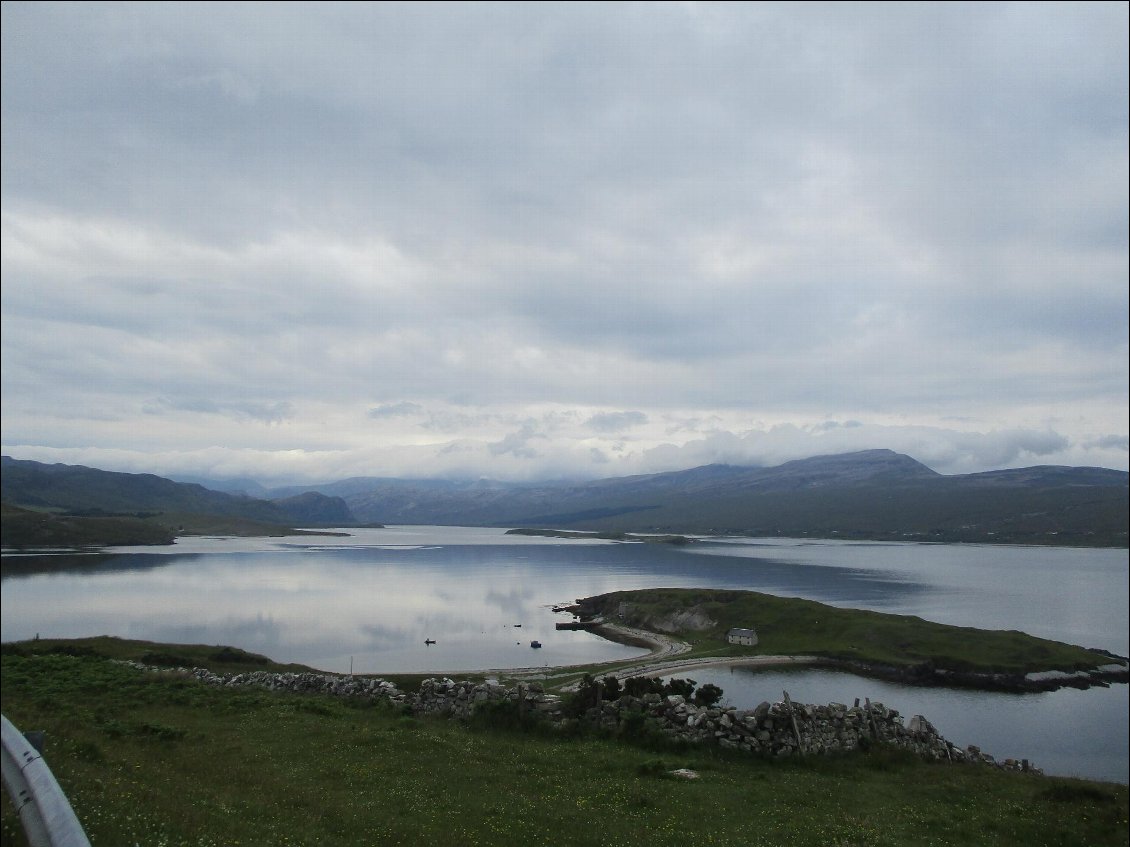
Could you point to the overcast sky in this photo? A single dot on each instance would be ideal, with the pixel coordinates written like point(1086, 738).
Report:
point(535, 240)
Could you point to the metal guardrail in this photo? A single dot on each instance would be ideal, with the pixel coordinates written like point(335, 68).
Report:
point(45, 812)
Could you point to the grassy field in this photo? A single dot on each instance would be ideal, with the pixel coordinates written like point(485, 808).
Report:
point(790, 626)
point(157, 759)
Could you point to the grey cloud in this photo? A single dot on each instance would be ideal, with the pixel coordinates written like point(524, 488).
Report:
point(271, 413)
point(518, 443)
point(446, 420)
point(1111, 442)
point(598, 457)
point(615, 421)
point(395, 410)
point(795, 213)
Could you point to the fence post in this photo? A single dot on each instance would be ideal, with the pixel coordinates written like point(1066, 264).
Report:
point(796, 729)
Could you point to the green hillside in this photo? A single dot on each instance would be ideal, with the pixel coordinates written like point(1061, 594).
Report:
point(72, 505)
point(24, 528)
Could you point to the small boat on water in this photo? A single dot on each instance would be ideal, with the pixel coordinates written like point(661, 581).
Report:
point(429, 641)
point(518, 625)
point(535, 644)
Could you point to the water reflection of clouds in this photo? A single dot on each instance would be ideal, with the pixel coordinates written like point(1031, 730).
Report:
point(381, 637)
point(317, 605)
point(260, 633)
point(515, 602)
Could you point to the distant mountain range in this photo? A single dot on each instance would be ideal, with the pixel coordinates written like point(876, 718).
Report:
point(874, 494)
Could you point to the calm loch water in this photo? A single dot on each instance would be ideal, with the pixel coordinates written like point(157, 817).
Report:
point(370, 601)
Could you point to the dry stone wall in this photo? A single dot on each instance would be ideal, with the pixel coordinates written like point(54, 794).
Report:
point(777, 729)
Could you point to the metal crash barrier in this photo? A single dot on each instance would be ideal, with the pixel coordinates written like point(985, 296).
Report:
point(45, 812)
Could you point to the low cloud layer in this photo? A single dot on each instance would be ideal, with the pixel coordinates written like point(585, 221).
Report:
point(296, 242)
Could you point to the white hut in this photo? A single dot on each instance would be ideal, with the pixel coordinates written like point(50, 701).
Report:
point(742, 636)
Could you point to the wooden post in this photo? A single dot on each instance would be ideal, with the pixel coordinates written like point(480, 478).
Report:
point(871, 719)
point(792, 717)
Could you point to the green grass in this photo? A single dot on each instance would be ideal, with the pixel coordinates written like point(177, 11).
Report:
point(25, 528)
point(790, 626)
point(156, 759)
point(222, 659)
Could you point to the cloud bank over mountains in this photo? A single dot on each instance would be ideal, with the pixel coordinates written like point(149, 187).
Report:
point(315, 241)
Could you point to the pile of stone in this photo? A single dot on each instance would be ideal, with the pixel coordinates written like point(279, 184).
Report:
point(772, 729)
point(460, 699)
point(785, 728)
point(306, 683)
point(777, 729)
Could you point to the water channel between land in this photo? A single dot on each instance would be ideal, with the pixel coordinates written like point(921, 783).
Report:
point(369, 601)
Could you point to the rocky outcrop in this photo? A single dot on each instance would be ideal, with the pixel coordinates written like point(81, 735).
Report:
point(693, 619)
point(772, 729)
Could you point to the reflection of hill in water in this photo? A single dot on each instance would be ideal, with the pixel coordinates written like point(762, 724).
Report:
point(632, 565)
point(90, 564)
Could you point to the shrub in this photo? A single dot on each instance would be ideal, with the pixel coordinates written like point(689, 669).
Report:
point(235, 655)
point(611, 688)
point(708, 695)
point(166, 660)
point(584, 698)
point(683, 687)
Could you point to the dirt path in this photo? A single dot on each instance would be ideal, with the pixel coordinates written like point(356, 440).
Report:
point(663, 660)
point(661, 646)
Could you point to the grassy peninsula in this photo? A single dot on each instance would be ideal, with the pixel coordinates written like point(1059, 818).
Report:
point(160, 759)
point(791, 626)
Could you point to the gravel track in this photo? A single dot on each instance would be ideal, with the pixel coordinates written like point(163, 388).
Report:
point(663, 660)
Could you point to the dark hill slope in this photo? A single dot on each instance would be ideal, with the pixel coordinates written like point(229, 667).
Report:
point(488, 502)
point(314, 509)
point(1033, 505)
point(81, 490)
